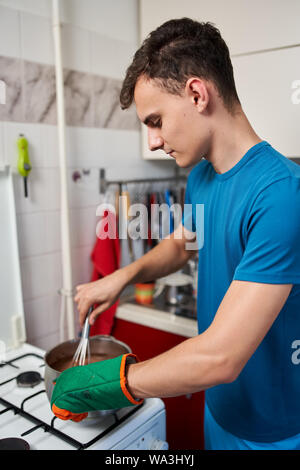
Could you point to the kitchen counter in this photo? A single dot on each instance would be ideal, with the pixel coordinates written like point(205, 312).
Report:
point(156, 318)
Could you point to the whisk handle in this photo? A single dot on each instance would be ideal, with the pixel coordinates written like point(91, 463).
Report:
point(86, 328)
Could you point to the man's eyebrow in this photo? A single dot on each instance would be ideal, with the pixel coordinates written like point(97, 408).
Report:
point(150, 117)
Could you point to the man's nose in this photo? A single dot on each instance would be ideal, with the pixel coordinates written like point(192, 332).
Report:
point(155, 141)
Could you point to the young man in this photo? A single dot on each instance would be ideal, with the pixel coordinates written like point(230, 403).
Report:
point(181, 80)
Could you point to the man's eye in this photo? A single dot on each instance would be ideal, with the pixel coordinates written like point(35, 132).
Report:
point(153, 124)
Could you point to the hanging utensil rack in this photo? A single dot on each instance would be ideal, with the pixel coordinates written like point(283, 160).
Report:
point(104, 183)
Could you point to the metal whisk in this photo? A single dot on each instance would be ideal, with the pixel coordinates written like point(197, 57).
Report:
point(83, 348)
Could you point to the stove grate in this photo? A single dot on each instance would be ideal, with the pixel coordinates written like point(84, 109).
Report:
point(11, 364)
point(51, 429)
point(39, 423)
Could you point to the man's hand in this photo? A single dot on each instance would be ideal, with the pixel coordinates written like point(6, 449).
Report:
point(103, 292)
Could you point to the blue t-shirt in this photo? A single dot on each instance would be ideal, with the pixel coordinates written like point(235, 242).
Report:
point(252, 233)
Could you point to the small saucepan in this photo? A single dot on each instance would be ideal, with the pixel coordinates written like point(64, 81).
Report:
point(60, 358)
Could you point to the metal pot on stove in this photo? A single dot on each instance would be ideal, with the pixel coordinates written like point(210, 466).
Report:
point(60, 358)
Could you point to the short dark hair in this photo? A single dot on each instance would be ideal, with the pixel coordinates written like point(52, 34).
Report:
point(177, 50)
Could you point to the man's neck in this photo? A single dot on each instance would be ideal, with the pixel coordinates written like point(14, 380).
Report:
point(232, 138)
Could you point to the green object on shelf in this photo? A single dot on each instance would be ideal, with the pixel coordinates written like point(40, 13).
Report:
point(24, 164)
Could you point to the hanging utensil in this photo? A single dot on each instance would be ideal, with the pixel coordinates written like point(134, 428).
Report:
point(24, 165)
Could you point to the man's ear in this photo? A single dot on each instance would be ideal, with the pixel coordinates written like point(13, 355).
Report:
point(197, 91)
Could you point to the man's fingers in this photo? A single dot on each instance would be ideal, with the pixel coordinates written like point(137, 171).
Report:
point(82, 316)
point(93, 316)
point(83, 304)
point(96, 312)
point(87, 295)
point(83, 311)
point(79, 292)
point(80, 286)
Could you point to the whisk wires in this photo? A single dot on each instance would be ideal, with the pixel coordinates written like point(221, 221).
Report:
point(82, 353)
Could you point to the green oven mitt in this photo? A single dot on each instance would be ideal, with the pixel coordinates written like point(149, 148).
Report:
point(97, 386)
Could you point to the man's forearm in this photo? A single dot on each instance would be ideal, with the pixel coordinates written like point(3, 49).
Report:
point(189, 367)
point(164, 259)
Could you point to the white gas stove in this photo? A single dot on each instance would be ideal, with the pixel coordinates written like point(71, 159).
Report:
point(26, 417)
point(26, 420)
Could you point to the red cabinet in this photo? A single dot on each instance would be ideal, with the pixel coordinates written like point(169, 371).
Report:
point(184, 413)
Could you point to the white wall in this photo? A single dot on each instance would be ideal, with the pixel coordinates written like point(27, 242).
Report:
point(99, 38)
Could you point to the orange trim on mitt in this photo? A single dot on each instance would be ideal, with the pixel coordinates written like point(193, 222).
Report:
point(66, 415)
point(123, 380)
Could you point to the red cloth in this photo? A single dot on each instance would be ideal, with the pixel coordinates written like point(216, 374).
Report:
point(106, 259)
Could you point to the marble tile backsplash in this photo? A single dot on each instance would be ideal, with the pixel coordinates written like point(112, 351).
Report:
point(39, 93)
point(90, 100)
point(11, 75)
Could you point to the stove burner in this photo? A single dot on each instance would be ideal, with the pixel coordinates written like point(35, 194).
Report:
point(13, 443)
point(28, 379)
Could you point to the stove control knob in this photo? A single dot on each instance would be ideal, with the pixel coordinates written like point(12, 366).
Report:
point(158, 444)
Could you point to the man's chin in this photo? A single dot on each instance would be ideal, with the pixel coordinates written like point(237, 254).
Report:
point(183, 164)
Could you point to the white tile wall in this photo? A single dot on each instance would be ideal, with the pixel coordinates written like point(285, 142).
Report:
point(82, 265)
point(49, 145)
point(37, 7)
point(36, 39)
point(269, 104)
point(45, 342)
point(41, 275)
point(43, 191)
point(10, 43)
point(84, 192)
point(85, 221)
point(76, 50)
point(54, 307)
point(81, 146)
point(110, 57)
point(42, 320)
point(38, 233)
point(31, 233)
point(110, 145)
point(117, 19)
point(37, 316)
point(53, 233)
